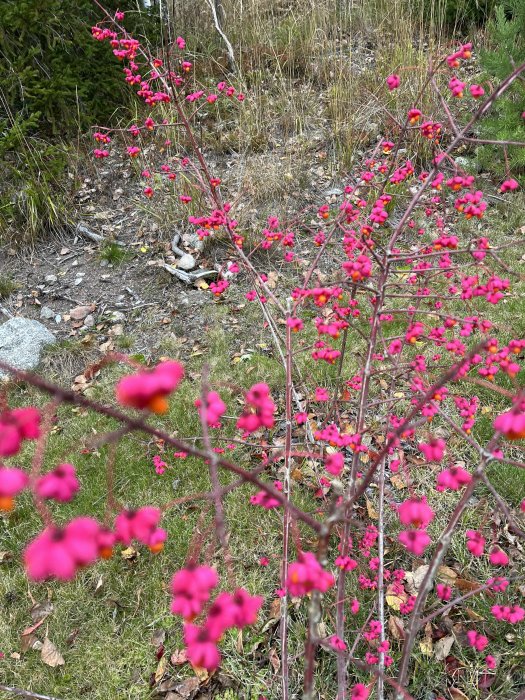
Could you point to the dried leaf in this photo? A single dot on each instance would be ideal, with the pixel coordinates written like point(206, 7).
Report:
point(29, 641)
point(372, 512)
point(275, 609)
point(158, 637)
point(30, 630)
point(394, 598)
point(396, 627)
point(179, 657)
point(442, 647)
point(161, 669)
point(425, 644)
point(40, 611)
point(5, 556)
point(239, 648)
point(50, 654)
point(188, 687)
point(274, 660)
point(130, 553)
point(398, 482)
point(465, 585)
point(447, 575)
point(457, 694)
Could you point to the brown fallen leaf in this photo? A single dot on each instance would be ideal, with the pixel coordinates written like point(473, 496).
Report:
point(30, 630)
point(5, 556)
point(187, 687)
point(398, 482)
point(395, 599)
point(29, 641)
point(50, 654)
point(179, 657)
point(372, 512)
point(457, 694)
point(442, 647)
point(161, 669)
point(40, 611)
point(465, 585)
point(426, 644)
point(130, 553)
point(275, 609)
point(396, 627)
point(446, 575)
point(274, 660)
point(158, 637)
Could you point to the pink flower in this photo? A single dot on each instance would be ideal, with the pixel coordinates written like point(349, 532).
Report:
point(150, 389)
point(393, 81)
point(264, 561)
point(201, 647)
point(301, 418)
point(246, 607)
point(306, 575)
point(475, 542)
point(507, 613)
point(490, 662)
point(498, 557)
point(354, 606)
point(476, 91)
point(511, 424)
point(214, 409)
point(433, 450)
point(336, 643)
point(321, 394)
point(416, 541)
point(509, 185)
point(415, 512)
point(261, 498)
point(15, 426)
point(476, 640)
point(453, 478)
point(61, 484)
point(59, 552)
point(139, 525)
point(444, 592)
point(334, 463)
point(220, 616)
point(345, 563)
point(395, 347)
point(12, 482)
point(359, 692)
point(190, 588)
point(259, 411)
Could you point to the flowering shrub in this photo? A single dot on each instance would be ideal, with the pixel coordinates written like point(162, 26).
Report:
point(418, 279)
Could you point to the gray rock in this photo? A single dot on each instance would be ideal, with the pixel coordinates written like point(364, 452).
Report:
point(187, 262)
point(47, 313)
point(195, 242)
point(89, 321)
point(51, 278)
point(117, 316)
point(21, 343)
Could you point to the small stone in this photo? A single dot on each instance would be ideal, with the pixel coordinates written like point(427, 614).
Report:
point(80, 312)
point(89, 321)
point(117, 316)
point(187, 262)
point(47, 313)
point(51, 278)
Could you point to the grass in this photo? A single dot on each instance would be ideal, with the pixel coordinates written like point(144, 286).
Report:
point(114, 254)
point(7, 286)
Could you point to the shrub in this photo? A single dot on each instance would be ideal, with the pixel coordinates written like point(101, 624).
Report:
point(403, 332)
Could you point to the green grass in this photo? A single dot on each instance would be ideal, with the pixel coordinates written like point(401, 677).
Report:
point(7, 286)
